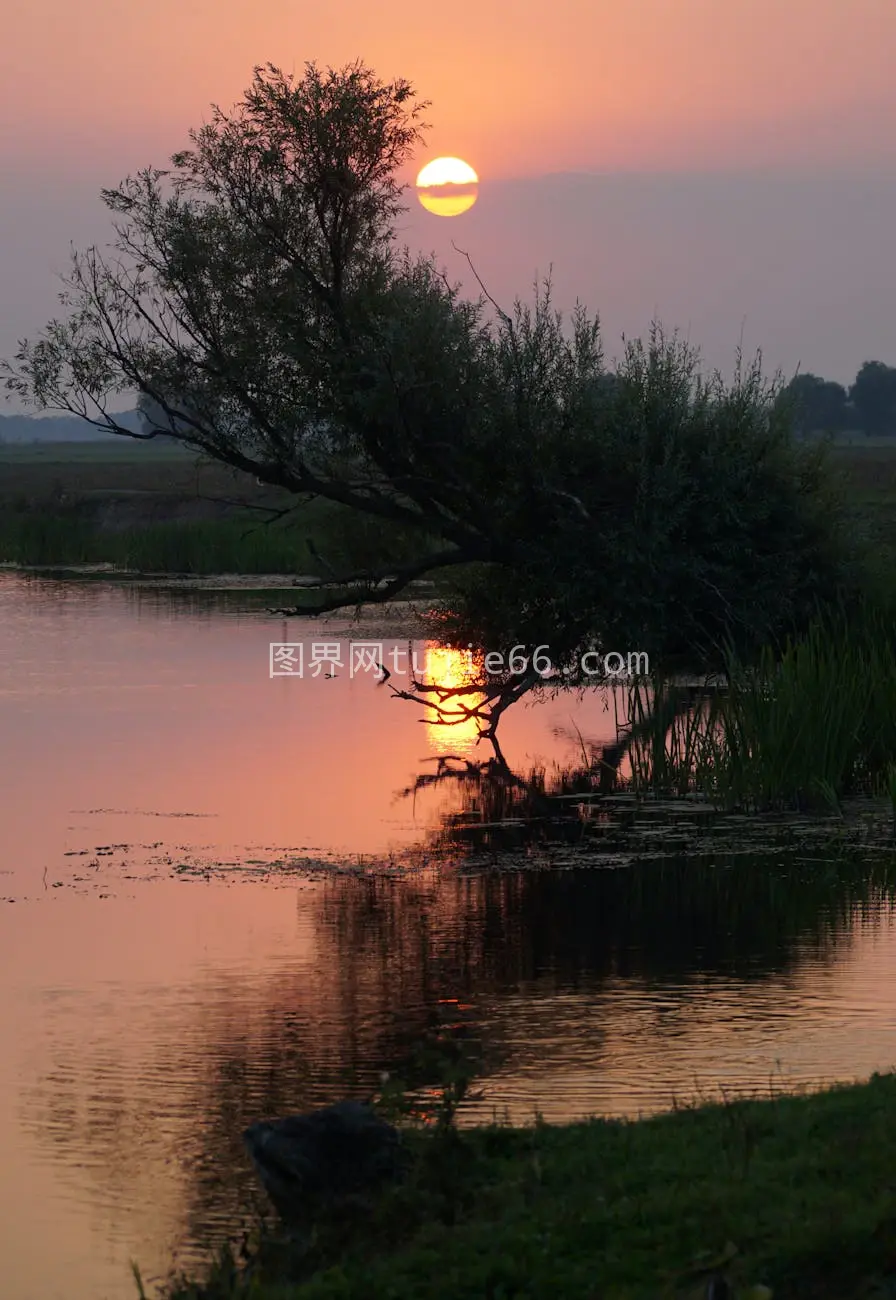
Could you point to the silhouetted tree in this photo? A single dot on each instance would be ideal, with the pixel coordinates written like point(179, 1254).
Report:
point(874, 397)
point(819, 405)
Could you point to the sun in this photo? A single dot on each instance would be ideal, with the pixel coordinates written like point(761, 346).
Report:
point(447, 187)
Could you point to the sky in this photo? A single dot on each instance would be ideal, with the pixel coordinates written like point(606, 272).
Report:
point(726, 165)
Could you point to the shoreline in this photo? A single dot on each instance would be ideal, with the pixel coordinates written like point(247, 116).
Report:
point(784, 1196)
point(223, 581)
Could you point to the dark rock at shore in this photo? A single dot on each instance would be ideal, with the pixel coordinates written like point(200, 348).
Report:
point(327, 1157)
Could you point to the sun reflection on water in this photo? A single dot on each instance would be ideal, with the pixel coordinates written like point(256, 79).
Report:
point(450, 669)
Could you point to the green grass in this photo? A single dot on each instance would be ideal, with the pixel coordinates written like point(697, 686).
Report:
point(194, 547)
point(158, 510)
point(796, 1194)
point(241, 543)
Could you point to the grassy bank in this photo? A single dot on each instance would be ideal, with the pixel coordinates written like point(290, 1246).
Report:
point(209, 546)
point(794, 1194)
point(317, 541)
point(241, 544)
point(158, 510)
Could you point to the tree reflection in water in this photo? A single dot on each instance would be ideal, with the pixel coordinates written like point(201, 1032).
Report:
point(488, 925)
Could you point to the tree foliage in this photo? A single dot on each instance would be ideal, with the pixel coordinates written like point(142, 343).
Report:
point(874, 397)
point(256, 300)
point(697, 523)
point(819, 405)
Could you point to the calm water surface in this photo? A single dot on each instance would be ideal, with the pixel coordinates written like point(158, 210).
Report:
point(168, 977)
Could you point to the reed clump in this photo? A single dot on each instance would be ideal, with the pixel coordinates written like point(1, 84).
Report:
point(319, 542)
point(804, 727)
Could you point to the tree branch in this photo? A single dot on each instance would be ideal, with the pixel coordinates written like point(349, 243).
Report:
point(371, 593)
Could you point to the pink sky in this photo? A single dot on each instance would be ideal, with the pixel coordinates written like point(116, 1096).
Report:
point(93, 91)
point(520, 89)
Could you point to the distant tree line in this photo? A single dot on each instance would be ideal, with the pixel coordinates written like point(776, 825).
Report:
point(868, 406)
point(59, 428)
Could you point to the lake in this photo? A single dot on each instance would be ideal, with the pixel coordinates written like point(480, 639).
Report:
point(216, 905)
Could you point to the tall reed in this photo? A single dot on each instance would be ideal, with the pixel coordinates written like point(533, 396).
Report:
point(804, 727)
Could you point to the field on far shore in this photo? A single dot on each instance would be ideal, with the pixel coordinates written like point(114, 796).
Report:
point(869, 477)
point(157, 508)
point(126, 465)
point(43, 473)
